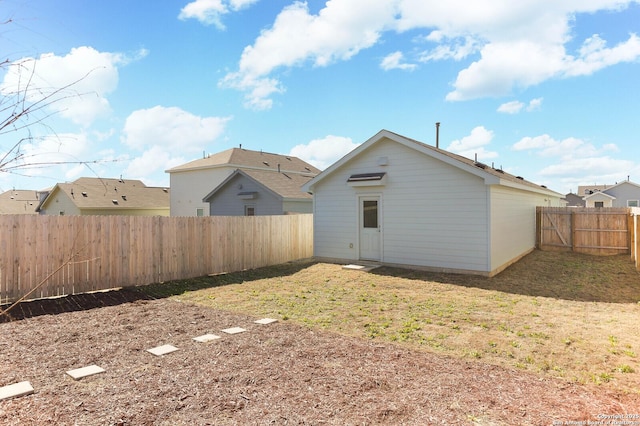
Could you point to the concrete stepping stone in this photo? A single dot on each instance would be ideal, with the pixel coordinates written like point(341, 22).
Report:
point(265, 321)
point(162, 350)
point(91, 370)
point(363, 268)
point(234, 330)
point(206, 338)
point(15, 390)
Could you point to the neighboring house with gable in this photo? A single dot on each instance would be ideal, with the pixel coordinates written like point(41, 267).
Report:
point(401, 202)
point(19, 201)
point(599, 199)
point(248, 192)
point(622, 194)
point(193, 182)
point(99, 196)
point(574, 200)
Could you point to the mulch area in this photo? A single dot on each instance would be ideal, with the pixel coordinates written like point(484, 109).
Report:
point(279, 373)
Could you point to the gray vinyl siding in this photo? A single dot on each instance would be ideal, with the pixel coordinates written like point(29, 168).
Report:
point(227, 203)
point(623, 193)
point(434, 214)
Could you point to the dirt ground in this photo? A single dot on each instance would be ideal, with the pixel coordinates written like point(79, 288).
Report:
point(279, 374)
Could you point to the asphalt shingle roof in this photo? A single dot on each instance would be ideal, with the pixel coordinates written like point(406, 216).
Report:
point(18, 201)
point(245, 158)
point(99, 193)
point(287, 185)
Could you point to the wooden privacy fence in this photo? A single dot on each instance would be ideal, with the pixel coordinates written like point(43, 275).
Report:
point(601, 231)
point(104, 252)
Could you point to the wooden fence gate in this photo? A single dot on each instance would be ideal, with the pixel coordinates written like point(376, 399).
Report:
point(601, 231)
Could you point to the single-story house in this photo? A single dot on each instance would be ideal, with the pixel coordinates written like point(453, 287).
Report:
point(19, 201)
point(248, 192)
point(401, 202)
point(101, 196)
point(192, 182)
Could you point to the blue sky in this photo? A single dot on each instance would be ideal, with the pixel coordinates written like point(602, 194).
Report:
point(547, 90)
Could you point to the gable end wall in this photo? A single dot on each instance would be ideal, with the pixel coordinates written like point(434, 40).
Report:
point(623, 193)
point(190, 187)
point(434, 215)
point(227, 203)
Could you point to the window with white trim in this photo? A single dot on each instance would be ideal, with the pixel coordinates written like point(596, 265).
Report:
point(199, 212)
point(632, 203)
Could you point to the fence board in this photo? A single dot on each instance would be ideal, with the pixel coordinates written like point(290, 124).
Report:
point(117, 251)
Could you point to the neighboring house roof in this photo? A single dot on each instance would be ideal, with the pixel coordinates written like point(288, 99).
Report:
point(623, 183)
point(590, 189)
point(596, 195)
point(101, 193)
point(245, 158)
point(284, 185)
point(19, 201)
point(488, 173)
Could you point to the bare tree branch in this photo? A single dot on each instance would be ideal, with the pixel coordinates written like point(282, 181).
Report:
point(26, 106)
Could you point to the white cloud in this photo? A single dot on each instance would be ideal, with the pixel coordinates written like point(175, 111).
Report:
point(512, 107)
point(394, 61)
point(505, 65)
point(573, 162)
point(456, 49)
point(155, 159)
point(591, 169)
point(173, 129)
point(338, 32)
point(474, 144)
point(534, 104)
point(520, 44)
point(519, 54)
point(566, 149)
point(52, 154)
point(210, 12)
point(164, 136)
point(257, 90)
point(324, 152)
point(83, 78)
point(594, 55)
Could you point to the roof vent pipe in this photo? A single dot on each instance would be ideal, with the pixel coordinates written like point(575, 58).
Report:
point(438, 134)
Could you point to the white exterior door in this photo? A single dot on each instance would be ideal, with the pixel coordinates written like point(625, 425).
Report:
point(370, 229)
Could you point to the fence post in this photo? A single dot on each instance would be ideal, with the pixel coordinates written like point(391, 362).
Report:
point(572, 230)
point(632, 236)
point(637, 240)
point(538, 227)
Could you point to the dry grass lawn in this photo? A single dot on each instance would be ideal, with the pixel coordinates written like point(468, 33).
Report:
point(563, 315)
